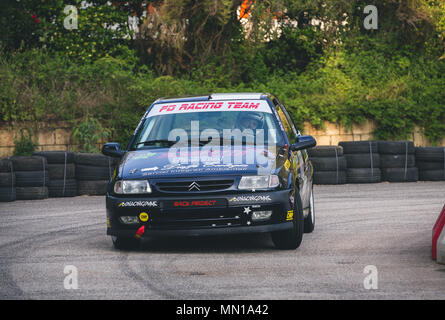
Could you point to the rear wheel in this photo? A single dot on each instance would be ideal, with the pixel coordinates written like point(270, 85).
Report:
point(291, 239)
point(309, 221)
point(124, 243)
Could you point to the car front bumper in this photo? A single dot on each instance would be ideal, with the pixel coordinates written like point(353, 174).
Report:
point(200, 215)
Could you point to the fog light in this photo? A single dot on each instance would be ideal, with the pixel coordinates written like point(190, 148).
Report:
point(261, 215)
point(129, 219)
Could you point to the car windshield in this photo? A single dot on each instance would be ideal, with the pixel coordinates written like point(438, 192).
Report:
point(199, 123)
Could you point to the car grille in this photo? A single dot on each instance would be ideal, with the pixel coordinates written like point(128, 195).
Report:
point(194, 185)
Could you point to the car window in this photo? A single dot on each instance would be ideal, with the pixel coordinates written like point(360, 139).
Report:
point(255, 115)
point(286, 124)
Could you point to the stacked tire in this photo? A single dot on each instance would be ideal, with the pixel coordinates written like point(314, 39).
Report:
point(431, 163)
point(7, 181)
point(31, 174)
point(93, 172)
point(397, 161)
point(362, 160)
point(329, 164)
point(61, 171)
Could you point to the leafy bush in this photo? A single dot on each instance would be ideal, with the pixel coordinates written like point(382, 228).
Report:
point(24, 146)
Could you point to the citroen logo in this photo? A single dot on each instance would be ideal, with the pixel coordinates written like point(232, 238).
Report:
point(194, 185)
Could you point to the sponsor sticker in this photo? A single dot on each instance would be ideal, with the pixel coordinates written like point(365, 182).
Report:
point(143, 216)
point(144, 155)
point(138, 204)
point(195, 203)
point(290, 215)
point(206, 106)
point(251, 199)
point(287, 165)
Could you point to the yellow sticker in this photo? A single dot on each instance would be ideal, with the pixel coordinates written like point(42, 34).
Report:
point(290, 215)
point(287, 164)
point(120, 204)
point(143, 216)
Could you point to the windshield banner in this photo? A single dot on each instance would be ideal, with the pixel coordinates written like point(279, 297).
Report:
point(205, 106)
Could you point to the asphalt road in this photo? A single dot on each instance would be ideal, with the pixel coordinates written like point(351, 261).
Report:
point(384, 225)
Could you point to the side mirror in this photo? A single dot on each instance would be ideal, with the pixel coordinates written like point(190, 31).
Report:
point(304, 142)
point(113, 149)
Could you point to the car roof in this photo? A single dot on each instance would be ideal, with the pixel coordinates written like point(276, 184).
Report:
point(216, 96)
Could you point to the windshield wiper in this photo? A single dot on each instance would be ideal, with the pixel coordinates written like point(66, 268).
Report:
point(150, 142)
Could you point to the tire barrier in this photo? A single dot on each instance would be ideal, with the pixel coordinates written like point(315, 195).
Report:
point(62, 188)
point(351, 147)
point(32, 193)
point(363, 161)
point(363, 175)
point(32, 177)
point(397, 161)
point(93, 172)
point(61, 172)
point(431, 163)
point(325, 151)
point(329, 177)
point(92, 188)
point(7, 181)
point(329, 164)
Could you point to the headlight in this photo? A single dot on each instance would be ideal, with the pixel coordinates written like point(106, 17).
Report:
point(258, 182)
point(132, 187)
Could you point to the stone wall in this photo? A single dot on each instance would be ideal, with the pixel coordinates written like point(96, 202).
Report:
point(54, 136)
point(57, 136)
point(334, 133)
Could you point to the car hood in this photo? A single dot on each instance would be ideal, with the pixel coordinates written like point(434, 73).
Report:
point(155, 163)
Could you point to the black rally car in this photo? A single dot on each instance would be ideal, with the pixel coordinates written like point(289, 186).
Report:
point(206, 165)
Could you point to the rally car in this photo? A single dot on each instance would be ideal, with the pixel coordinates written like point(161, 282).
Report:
point(212, 165)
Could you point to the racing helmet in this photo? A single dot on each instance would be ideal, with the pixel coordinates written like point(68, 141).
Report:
point(246, 116)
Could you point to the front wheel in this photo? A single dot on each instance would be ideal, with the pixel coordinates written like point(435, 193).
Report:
point(291, 239)
point(309, 221)
point(124, 243)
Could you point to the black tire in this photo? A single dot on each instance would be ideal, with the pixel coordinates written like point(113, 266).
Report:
point(5, 165)
point(363, 175)
point(359, 147)
point(94, 159)
point(329, 177)
point(423, 165)
point(309, 221)
point(7, 194)
point(125, 243)
point(432, 175)
point(325, 151)
point(56, 157)
point(32, 163)
point(92, 188)
point(93, 172)
point(32, 193)
point(31, 178)
point(62, 188)
point(433, 154)
point(395, 147)
point(291, 239)
point(59, 171)
point(7, 179)
point(399, 175)
point(397, 161)
point(363, 160)
point(328, 164)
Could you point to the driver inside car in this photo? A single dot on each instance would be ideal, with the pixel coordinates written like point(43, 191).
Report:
point(250, 120)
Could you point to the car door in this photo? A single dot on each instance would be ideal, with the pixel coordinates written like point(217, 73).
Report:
point(296, 156)
point(306, 168)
